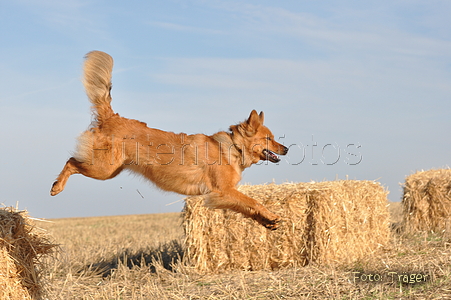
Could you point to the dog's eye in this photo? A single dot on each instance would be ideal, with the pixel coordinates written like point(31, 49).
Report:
point(268, 138)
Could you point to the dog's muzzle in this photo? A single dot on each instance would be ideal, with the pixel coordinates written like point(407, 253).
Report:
point(271, 156)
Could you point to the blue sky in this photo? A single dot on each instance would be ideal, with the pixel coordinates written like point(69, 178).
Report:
point(358, 90)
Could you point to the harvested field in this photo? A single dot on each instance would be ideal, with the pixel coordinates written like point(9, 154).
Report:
point(117, 244)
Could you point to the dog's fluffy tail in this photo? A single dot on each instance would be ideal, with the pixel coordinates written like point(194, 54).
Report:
point(97, 81)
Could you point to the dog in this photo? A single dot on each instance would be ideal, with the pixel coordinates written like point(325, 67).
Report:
point(186, 164)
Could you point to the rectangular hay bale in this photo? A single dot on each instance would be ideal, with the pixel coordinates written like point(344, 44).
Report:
point(324, 222)
point(427, 201)
point(21, 246)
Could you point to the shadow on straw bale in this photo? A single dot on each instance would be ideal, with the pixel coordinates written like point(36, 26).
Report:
point(324, 222)
point(427, 201)
point(167, 255)
point(21, 247)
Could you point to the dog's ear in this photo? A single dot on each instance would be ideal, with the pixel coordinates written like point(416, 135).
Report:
point(262, 117)
point(254, 119)
point(253, 122)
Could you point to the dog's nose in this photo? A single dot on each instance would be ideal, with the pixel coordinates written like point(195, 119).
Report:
point(284, 150)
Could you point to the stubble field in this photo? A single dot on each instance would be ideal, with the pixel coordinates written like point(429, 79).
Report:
point(141, 257)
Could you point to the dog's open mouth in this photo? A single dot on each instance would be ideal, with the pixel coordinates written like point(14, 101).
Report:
point(271, 156)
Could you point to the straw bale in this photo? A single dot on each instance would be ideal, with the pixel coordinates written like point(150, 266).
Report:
point(21, 247)
point(427, 201)
point(324, 222)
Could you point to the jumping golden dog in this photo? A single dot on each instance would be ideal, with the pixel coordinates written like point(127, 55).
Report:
point(186, 164)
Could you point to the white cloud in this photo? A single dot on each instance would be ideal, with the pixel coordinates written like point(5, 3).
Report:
point(283, 76)
point(185, 28)
point(358, 31)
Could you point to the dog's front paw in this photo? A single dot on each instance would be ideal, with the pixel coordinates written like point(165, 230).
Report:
point(271, 224)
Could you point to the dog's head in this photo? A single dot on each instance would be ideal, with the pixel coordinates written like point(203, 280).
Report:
point(256, 141)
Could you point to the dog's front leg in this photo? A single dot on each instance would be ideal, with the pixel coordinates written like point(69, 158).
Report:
point(234, 200)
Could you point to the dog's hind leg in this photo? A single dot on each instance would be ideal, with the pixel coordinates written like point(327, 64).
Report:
point(234, 200)
point(73, 166)
point(96, 157)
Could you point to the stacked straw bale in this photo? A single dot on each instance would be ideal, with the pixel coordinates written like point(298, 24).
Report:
point(21, 246)
point(427, 201)
point(324, 222)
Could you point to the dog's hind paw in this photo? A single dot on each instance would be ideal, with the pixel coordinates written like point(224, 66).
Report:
point(56, 188)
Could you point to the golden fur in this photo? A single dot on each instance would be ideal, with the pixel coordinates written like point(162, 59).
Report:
point(186, 164)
